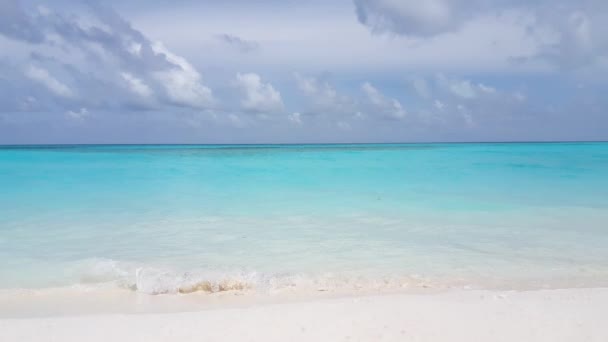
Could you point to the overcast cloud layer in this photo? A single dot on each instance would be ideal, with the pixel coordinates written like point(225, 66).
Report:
point(285, 71)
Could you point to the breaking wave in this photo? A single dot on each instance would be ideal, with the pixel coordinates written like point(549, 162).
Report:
point(154, 281)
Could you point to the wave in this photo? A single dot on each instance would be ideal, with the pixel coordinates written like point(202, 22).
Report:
point(156, 280)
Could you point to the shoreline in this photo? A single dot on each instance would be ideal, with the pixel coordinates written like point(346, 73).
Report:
point(456, 315)
point(107, 299)
point(86, 301)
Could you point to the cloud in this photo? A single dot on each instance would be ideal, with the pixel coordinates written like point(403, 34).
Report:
point(78, 115)
point(574, 36)
point(382, 105)
point(16, 24)
point(464, 88)
point(569, 34)
point(182, 82)
point(43, 77)
point(323, 97)
point(136, 85)
point(259, 97)
point(239, 43)
point(466, 100)
point(326, 101)
point(295, 118)
point(101, 54)
point(416, 18)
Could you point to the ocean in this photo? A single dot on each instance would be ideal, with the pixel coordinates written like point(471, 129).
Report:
point(174, 219)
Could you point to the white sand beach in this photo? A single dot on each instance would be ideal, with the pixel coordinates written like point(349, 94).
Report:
point(459, 315)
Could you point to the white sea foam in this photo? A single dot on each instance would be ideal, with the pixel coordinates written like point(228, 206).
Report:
point(157, 280)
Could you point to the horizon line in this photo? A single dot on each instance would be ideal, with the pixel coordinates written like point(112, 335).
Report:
point(312, 143)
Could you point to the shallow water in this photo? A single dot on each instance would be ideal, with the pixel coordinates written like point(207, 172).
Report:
point(171, 219)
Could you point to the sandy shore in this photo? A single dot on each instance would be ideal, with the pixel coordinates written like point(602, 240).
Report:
point(546, 315)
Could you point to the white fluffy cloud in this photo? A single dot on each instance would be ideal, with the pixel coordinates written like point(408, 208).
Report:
point(295, 118)
point(448, 98)
point(182, 82)
point(258, 96)
point(324, 97)
point(464, 88)
point(43, 77)
point(101, 54)
point(326, 101)
point(79, 115)
point(382, 105)
point(136, 85)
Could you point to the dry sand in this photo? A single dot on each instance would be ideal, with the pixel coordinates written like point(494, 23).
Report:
point(572, 315)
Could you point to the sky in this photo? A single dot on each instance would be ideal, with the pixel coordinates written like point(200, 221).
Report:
point(270, 71)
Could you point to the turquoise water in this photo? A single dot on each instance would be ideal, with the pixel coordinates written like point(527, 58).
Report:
point(168, 218)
